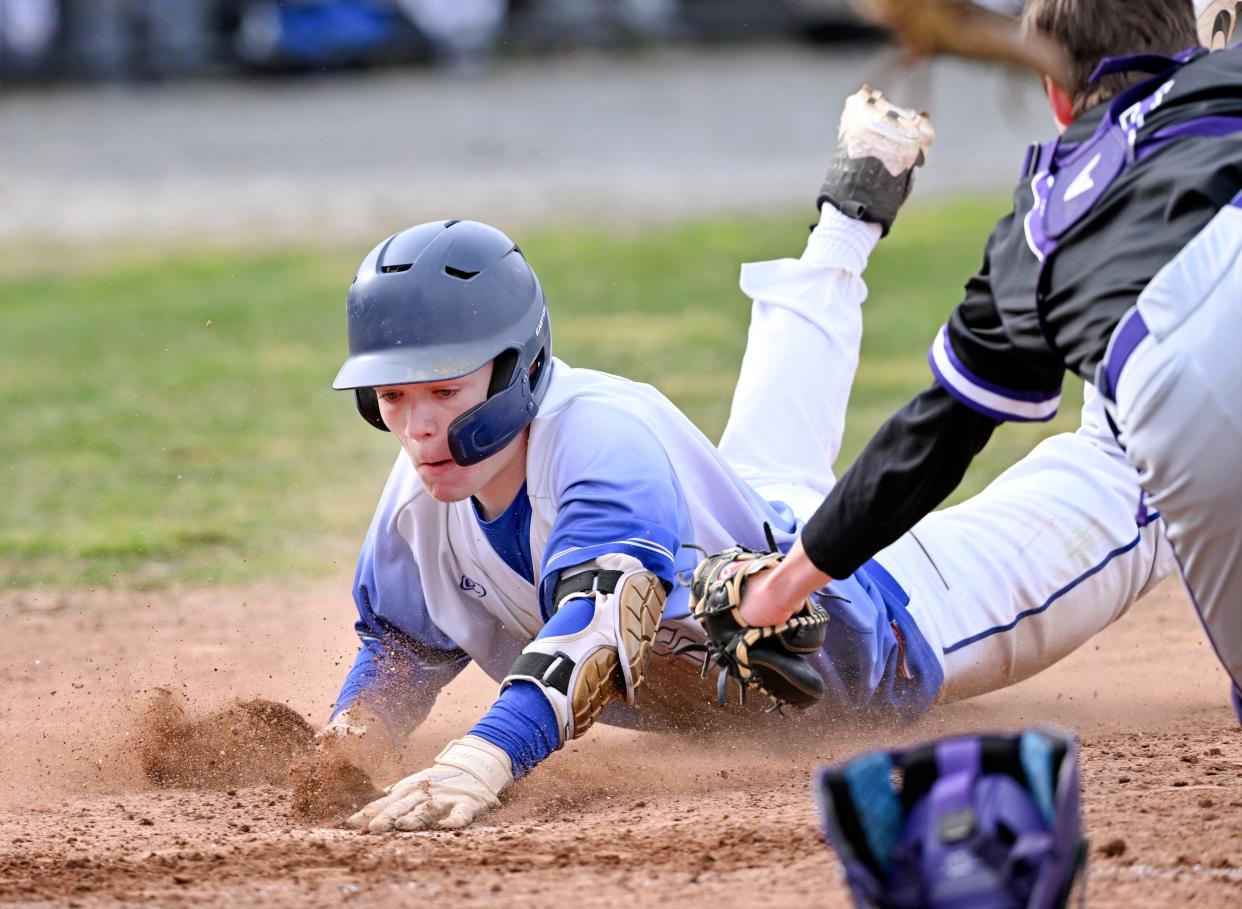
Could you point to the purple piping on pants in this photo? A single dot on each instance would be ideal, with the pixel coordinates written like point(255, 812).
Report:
point(1037, 239)
point(1130, 333)
point(1194, 600)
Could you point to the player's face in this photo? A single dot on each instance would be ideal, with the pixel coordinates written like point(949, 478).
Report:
point(419, 415)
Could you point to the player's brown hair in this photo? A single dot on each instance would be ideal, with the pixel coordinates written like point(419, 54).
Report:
point(1090, 30)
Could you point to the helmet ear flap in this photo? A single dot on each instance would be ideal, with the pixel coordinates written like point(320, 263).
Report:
point(488, 427)
point(368, 406)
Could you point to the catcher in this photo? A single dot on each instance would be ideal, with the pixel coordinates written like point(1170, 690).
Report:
point(1118, 264)
point(539, 517)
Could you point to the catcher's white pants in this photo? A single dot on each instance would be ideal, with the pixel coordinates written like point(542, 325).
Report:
point(1002, 585)
point(1179, 410)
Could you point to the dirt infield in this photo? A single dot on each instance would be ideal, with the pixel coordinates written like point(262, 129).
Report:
point(619, 816)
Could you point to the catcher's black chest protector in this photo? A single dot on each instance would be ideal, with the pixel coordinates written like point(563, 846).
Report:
point(1096, 216)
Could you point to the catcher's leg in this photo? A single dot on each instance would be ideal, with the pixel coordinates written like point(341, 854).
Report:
point(1179, 406)
point(788, 413)
point(1012, 580)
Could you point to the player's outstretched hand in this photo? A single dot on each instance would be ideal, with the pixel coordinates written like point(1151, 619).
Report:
point(465, 781)
point(333, 780)
point(354, 734)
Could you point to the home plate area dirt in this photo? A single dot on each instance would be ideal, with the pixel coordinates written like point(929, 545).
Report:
point(158, 748)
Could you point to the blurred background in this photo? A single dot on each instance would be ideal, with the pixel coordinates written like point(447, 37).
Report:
point(171, 39)
point(187, 186)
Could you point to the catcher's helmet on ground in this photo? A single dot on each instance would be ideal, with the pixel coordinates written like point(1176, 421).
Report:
point(438, 301)
point(978, 822)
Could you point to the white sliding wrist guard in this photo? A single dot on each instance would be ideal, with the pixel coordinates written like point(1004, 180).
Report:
point(581, 673)
point(481, 759)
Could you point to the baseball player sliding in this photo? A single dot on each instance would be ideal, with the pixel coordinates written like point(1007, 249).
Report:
point(538, 518)
point(1120, 262)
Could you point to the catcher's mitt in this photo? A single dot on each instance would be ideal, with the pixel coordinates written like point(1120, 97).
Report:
point(771, 658)
point(927, 27)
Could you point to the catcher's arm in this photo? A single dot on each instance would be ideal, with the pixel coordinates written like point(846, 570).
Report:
point(925, 28)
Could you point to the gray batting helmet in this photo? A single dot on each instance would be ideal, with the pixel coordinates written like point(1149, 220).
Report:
point(438, 301)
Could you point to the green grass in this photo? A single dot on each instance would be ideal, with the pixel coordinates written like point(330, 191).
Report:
point(170, 420)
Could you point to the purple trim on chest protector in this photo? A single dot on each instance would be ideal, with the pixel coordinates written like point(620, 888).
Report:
point(1216, 127)
point(1082, 175)
point(1157, 64)
point(1208, 127)
point(1041, 188)
point(1081, 182)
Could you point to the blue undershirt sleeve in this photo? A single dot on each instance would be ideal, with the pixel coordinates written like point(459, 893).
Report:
point(615, 493)
point(523, 724)
point(361, 676)
point(404, 660)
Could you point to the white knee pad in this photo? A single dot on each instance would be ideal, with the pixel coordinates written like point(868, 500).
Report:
point(582, 672)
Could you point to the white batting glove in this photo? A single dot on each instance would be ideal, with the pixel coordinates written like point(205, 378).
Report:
point(465, 781)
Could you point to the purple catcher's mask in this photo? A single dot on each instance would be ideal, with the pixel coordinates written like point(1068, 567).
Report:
point(979, 822)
